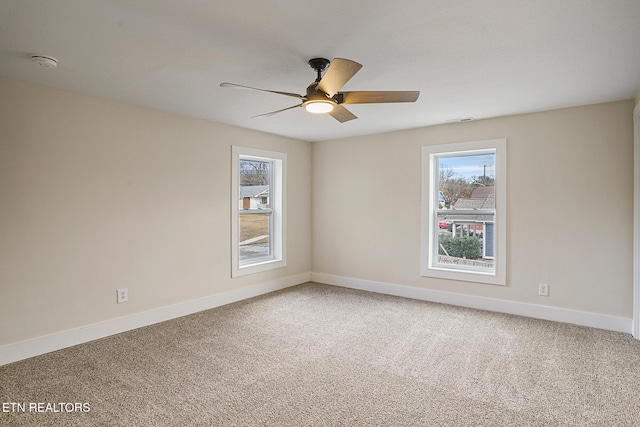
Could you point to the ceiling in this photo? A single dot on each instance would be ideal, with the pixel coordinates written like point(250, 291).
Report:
point(468, 58)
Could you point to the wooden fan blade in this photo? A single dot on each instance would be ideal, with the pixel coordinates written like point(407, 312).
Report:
point(341, 114)
point(338, 73)
point(295, 95)
point(377, 97)
point(275, 112)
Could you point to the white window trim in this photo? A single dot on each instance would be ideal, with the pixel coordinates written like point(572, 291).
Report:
point(430, 200)
point(278, 201)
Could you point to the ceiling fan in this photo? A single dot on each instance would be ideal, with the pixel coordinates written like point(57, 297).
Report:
point(323, 94)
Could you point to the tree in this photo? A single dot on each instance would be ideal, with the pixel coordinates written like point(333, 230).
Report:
point(482, 181)
point(453, 187)
point(254, 172)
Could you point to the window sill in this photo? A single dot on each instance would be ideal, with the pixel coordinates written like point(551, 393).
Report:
point(464, 276)
point(258, 267)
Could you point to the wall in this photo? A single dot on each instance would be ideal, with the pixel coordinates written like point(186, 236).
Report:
point(570, 207)
point(97, 195)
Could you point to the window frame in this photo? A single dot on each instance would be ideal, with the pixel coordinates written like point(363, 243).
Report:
point(429, 218)
point(277, 210)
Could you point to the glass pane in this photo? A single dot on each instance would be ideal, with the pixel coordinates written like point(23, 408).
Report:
point(466, 211)
point(254, 172)
point(254, 238)
point(459, 176)
point(255, 227)
point(255, 180)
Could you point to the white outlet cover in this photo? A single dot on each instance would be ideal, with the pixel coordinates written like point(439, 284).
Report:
point(123, 295)
point(543, 289)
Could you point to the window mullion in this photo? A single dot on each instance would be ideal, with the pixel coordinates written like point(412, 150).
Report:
point(466, 211)
point(255, 211)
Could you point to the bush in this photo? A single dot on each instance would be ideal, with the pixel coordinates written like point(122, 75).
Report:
point(460, 247)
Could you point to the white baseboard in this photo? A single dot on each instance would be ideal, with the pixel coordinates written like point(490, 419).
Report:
point(582, 318)
point(33, 347)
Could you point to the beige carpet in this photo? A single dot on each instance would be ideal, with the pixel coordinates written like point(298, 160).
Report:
point(317, 355)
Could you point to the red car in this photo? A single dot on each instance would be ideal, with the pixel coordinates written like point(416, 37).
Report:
point(444, 224)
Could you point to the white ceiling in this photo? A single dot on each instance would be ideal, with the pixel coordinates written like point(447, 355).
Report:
point(469, 58)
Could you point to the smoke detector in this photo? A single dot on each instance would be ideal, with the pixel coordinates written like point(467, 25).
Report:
point(45, 61)
point(463, 119)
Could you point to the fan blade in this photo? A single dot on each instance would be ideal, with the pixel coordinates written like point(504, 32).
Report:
point(275, 112)
point(338, 73)
point(376, 97)
point(341, 114)
point(295, 95)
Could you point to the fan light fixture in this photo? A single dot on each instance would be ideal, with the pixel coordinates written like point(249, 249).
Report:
point(318, 106)
point(324, 96)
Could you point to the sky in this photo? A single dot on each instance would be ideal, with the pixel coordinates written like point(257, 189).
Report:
point(469, 166)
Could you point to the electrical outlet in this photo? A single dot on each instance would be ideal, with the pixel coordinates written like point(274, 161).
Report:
point(123, 295)
point(543, 289)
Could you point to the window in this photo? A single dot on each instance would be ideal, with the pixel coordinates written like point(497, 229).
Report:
point(464, 211)
point(258, 188)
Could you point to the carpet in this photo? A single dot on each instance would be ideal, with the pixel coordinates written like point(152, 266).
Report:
point(318, 355)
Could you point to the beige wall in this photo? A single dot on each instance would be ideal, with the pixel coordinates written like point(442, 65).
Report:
point(96, 195)
point(570, 207)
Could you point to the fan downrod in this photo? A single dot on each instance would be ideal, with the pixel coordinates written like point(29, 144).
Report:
point(319, 64)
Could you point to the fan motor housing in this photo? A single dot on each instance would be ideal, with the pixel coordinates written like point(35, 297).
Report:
point(314, 94)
